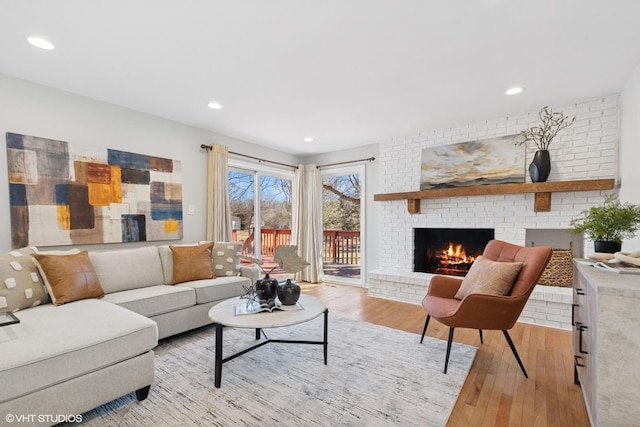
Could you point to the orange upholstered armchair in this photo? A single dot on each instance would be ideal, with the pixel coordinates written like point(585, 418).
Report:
point(479, 309)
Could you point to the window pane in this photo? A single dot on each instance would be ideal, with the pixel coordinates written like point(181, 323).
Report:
point(341, 223)
point(241, 196)
point(275, 219)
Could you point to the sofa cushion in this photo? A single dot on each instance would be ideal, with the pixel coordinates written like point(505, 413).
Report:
point(21, 285)
point(69, 277)
point(125, 269)
point(192, 262)
point(52, 344)
point(154, 300)
point(251, 272)
point(217, 289)
point(489, 277)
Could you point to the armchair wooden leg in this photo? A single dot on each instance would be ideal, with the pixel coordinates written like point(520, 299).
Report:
point(424, 330)
point(515, 353)
point(481, 340)
point(446, 361)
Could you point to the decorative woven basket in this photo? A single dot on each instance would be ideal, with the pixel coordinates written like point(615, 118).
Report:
point(559, 271)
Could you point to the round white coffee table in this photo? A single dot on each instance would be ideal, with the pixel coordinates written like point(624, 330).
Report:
point(224, 314)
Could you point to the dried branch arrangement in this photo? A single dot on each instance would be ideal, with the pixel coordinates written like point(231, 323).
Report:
point(286, 256)
point(551, 124)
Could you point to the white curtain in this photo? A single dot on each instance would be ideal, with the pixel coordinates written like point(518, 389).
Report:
point(307, 221)
point(218, 206)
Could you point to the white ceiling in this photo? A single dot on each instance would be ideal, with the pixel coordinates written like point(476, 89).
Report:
point(346, 72)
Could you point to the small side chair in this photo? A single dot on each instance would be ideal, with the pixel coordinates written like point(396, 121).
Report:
point(478, 309)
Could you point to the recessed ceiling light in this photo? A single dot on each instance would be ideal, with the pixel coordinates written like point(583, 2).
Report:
point(41, 43)
point(514, 91)
point(308, 139)
point(215, 105)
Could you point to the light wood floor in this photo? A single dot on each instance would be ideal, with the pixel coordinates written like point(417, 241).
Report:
point(496, 393)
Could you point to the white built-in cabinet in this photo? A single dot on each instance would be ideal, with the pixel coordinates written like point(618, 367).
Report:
point(606, 344)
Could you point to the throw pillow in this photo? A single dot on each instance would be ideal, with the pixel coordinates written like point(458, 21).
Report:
point(489, 278)
point(20, 284)
point(226, 258)
point(192, 262)
point(56, 252)
point(69, 277)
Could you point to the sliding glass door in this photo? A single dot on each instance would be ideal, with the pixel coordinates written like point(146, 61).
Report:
point(342, 221)
point(261, 214)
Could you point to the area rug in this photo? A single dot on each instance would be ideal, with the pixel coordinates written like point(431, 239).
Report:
point(375, 376)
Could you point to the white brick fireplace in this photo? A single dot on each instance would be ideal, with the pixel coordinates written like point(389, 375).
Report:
point(586, 150)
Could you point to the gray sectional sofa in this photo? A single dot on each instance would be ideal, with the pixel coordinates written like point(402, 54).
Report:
point(70, 358)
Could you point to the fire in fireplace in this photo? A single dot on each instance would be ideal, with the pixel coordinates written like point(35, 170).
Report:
point(449, 251)
point(454, 258)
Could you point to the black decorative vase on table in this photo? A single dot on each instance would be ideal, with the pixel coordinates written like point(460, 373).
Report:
point(289, 293)
point(540, 167)
point(607, 247)
point(266, 288)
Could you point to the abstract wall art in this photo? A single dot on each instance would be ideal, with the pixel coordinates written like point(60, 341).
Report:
point(497, 160)
point(61, 193)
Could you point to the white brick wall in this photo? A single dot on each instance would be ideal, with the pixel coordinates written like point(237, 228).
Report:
point(586, 150)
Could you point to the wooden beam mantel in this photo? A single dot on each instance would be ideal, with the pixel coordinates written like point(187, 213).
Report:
point(542, 192)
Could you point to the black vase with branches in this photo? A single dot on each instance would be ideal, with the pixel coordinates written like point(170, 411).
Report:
point(550, 125)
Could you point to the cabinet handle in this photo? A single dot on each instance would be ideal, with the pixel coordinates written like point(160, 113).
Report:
point(576, 377)
point(573, 312)
point(581, 328)
point(576, 364)
point(579, 291)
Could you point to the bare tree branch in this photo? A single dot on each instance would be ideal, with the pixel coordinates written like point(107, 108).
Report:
point(340, 194)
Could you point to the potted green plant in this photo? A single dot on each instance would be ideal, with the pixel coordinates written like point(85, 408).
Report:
point(550, 124)
point(609, 224)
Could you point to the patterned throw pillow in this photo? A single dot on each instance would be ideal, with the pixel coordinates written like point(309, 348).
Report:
point(56, 252)
point(20, 284)
point(192, 263)
point(69, 277)
point(489, 278)
point(226, 258)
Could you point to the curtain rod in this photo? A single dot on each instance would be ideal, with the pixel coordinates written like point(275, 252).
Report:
point(369, 159)
point(208, 147)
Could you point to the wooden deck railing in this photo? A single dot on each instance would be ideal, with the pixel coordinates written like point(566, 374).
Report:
point(340, 246)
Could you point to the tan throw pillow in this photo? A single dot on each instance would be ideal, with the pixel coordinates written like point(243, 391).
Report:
point(20, 283)
point(489, 278)
point(192, 263)
point(69, 277)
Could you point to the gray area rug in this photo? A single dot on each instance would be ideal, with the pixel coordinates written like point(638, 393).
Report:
point(375, 376)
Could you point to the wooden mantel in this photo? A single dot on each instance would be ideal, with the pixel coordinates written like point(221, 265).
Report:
point(542, 192)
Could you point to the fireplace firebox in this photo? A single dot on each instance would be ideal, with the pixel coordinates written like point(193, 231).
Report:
point(449, 251)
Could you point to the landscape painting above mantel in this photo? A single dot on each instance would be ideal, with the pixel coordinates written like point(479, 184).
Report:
point(497, 160)
point(62, 193)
